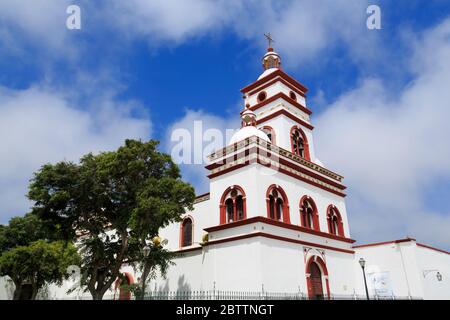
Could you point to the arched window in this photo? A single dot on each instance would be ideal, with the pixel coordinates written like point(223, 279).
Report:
point(299, 143)
point(270, 133)
point(232, 205)
point(334, 219)
point(309, 217)
point(277, 204)
point(186, 232)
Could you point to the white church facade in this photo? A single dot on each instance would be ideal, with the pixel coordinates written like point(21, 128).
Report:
point(275, 218)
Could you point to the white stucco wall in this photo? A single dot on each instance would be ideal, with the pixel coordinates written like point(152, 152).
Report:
point(273, 90)
point(405, 263)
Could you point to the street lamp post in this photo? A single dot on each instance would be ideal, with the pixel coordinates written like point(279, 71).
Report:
point(362, 263)
point(145, 252)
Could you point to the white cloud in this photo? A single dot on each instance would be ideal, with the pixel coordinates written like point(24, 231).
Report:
point(393, 146)
point(39, 125)
point(302, 28)
point(42, 23)
point(168, 20)
point(195, 172)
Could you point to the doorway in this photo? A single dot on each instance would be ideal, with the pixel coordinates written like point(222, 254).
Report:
point(316, 282)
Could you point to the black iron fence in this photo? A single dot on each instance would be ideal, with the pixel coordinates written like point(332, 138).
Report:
point(236, 295)
point(242, 295)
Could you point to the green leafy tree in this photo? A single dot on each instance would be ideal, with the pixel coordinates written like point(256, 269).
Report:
point(112, 203)
point(29, 258)
point(21, 231)
point(37, 264)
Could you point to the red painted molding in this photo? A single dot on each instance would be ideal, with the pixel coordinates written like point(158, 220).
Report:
point(278, 224)
point(286, 212)
point(238, 166)
point(305, 143)
point(270, 76)
point(268, 84)
point(400, 241)
point(340, 230)
point(341, 194)
point(311, 174)
point(277, 159)
point(223, 210)
point(432, 248)
point(188, 249)
point(181, 242)
point(315, 221)
point(384, 243)
point(279, 95)
point(286, 113)
point(272, 132)
point(281, 161)
point(318, 260)
point(201, 195)
point(243, 153)
point(275, 237)
point(286, 172)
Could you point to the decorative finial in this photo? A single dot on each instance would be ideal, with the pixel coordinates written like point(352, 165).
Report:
point(271, 59)
point(269, 39)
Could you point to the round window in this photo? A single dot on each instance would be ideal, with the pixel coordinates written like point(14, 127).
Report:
point(292, 95)
point(262, 96)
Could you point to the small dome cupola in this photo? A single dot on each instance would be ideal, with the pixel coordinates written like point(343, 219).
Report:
point(248, 128)
point(271, 59)
point(248, 118)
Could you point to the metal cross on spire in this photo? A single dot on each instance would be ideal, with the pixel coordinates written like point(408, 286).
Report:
point(269, 39)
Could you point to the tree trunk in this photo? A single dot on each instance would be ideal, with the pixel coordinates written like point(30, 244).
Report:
point(23, 291)
point(99, 291)
point(34, 293)
point(17, 291)
point(96, 295)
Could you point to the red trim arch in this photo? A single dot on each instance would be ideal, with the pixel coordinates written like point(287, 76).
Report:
point(182, 244)
point(223, 208)
point(340, 224)
point(323, 268)
point(315, 220)
point(285, 215)
point(124, 293)
point(272, 132)
point(305, 142)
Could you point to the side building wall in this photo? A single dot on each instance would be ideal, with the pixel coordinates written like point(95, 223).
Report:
point(403, 268)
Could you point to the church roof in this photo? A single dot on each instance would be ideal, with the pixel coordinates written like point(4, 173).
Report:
point(267, 72)
point(247, 132)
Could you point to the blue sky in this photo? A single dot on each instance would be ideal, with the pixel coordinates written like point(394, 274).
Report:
point(138, 69)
